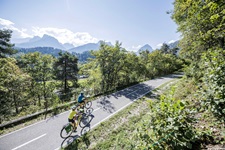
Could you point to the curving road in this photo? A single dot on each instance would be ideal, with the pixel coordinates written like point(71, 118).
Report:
point(44, 135)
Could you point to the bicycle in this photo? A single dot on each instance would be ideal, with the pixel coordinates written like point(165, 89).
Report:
point(83, 120)
point(87, 103)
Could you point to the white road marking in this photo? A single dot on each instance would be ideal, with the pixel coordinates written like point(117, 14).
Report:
point(29, 142)
point(29, 125)
point(96, 109)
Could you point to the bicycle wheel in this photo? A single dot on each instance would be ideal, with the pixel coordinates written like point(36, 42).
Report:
point(66, 131)
point(88, 104)
point(84, 121)
point(84, 130)
point(89, 111)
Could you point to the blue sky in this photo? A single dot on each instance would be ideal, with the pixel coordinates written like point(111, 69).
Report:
point(132, 22)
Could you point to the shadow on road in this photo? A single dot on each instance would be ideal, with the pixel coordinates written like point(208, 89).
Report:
point(72, 142)
point(138, 90)
point(134, 92)
point(106, 105)
point(51, 118)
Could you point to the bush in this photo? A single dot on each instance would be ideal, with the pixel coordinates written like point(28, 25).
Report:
point(169, 125)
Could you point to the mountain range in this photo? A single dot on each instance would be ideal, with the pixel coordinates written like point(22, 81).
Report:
point(49, 41)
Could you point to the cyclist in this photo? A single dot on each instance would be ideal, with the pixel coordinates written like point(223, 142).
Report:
point(72, 118)
point(81, 99)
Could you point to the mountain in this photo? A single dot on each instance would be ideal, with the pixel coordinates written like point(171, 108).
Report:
point(19, 40)
point(49, 41)
point(174, 44)
point(68, 46)
point(145, 47)
point(45, 41)
point(87, 47)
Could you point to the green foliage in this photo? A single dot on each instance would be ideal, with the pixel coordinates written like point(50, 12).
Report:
point(169, 125)
point(39, 67)
point(6, 48)
point(114, 67)
point(110, 60)
point(66, 69)
point(214, 62)
point(201, 23)
point(14, 85)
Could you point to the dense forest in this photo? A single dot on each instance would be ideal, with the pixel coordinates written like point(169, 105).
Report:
point(35, 81)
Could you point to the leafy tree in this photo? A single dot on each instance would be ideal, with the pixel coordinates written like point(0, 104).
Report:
point(14, 85)
point(66, 70)
point(110, 60)
point(6, 48)
point(201, 23)
point(132, 69)
point(45, 76)
point(31, 63)
point(165, 48)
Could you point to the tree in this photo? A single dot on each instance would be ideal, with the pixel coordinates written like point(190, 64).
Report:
point(110, 60)
point(201, 23)
point(14, 85)
point(132, 69)
point(66, 70)
point(31, 63)
point(6, 48)
point(165, 48)
point(45, 76)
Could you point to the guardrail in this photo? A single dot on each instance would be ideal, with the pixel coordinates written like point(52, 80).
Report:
point(25, 118)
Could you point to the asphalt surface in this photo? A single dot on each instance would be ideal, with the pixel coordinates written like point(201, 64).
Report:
point(45, 135)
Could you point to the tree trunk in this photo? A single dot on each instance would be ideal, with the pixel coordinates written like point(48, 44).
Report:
point(15, 103)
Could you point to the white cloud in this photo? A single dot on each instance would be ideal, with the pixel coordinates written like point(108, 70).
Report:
point(4, 22)
point(62, 35)
point(18, 33)
point(159, 45)
point(65, 35)
point(171, 41)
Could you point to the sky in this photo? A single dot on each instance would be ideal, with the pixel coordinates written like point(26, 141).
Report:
point(134, 23)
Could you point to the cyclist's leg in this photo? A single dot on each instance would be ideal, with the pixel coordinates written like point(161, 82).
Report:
point(75, 122)
point(82, 103)
point(72, 122)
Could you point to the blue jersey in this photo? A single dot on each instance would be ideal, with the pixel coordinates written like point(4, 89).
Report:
point(80, 98)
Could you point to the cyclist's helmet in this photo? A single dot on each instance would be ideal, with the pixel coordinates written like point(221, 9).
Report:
point(81, 93)
point(73, 108)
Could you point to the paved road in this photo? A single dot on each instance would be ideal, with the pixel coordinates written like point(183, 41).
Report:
point(44, 135)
